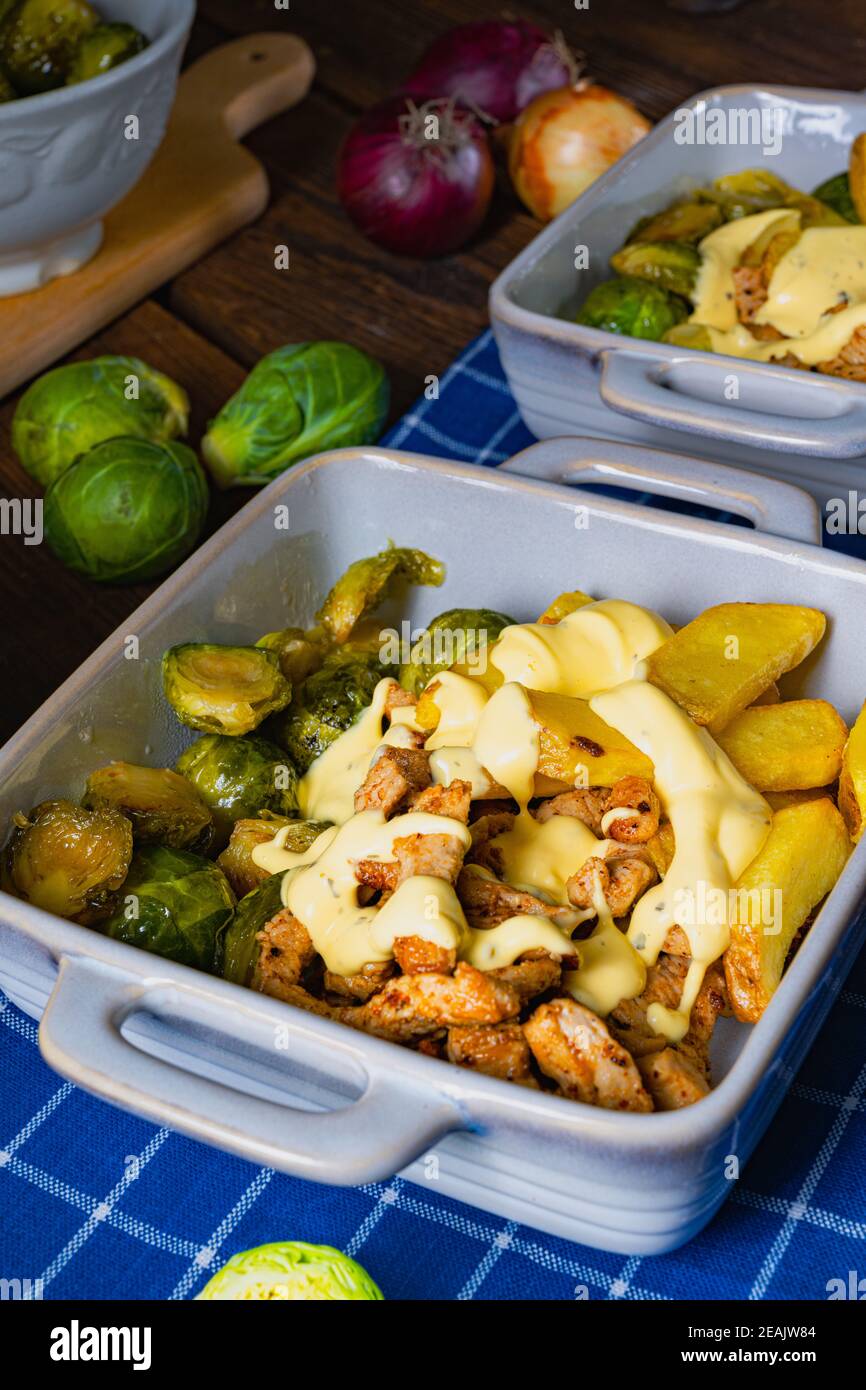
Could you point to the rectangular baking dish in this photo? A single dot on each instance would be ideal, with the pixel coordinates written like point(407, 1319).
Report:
point(315, 1099)
point(569, 379)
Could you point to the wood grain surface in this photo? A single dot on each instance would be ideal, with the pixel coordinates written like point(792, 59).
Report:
point(209, 324)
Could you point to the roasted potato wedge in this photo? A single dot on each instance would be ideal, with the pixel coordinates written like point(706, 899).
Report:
point(576, 746)
point(857, 176)
point(852, 781)
point(729, 655)
point(786, 747)
point(802, 858)
point(770, 696)
point(777, 800)
point(661, 848)
point(564, 604)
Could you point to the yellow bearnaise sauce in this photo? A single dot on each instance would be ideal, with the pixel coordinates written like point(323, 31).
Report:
point(826, 267)
point(598, 652)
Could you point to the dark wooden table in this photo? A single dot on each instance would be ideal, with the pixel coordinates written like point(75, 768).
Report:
point(210, 325)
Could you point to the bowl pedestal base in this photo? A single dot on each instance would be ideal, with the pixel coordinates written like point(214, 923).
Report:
point(22, 271)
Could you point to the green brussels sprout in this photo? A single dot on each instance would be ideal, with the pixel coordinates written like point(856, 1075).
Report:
point(689, 222)
point(68, 859)
point(461, 637)
point(673, 265)
point(238, 778)
point(757, 190)
point(836, 193)
point(69, 410)
point(298, 401)
point(104, 48)
point(39, 40)
point(236, 861)
point(128, 511)
point(292, 1270)
point(633, 308)
point(175, 904)
point(223, 690)
point(241, 953)
point(327, 703)
point(368, 582)
point(298, 652)
point(163, 808)
point(690, 335)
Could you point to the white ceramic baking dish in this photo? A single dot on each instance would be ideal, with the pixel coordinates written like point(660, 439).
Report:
point(311, 1097)
point(568, 379)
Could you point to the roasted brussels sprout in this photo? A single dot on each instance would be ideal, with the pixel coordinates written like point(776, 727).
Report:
point(690, 335)
point(460, 637)
point(292, 1270)
point(164, 808)
point(673, 265)
point(836, 193)
point(689, 222)
point(368, 582)
point(68, 859)
point(326, 704)
point(239, 777)
point(104, 48)
point(69, 410)
point(633, 308)
point(223, 690)
point(757, 190)
point(241, 952)
point(128, 511)
point(236, 861)
point(298, 652)
point(175, 904)
point(298, 401)
point(39, 39)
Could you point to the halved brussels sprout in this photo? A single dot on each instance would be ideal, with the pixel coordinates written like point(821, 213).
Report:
point(72, 408)
point(836, 193)
point(128, 511)
point(673, 265)
point(298, 652)
point(368, 582)
point(291, 1270)
point(104, 48)
point(239, 777)
point(68, 859)
point(241, 953)
point(39, 39)
point(633, 308)
point(175, 904)
point(223, 690)
point(757, 190)
point(326, 704)
point(690, 335)
point(460, 637)
point(689, 222)
point(236, 861)
point(164, 808)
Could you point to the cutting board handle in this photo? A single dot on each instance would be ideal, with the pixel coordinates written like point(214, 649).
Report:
point(246, 82)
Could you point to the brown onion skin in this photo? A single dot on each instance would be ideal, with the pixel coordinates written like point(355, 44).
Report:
point(414, 201)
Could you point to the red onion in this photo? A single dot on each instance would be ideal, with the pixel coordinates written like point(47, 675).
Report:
point(417, 179)
point(494, 67)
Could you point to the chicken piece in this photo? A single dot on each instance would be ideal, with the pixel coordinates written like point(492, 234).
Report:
point(377, 875)
point(491, 806)
point(623, 879)
point(414, 1006)
point(433, 1047)
point(438, 856)
point(664, 985)
point(398, 698)
point(672, 1079)
point(286, 950)
point(415, 956)
point(850, 363)
point(533, 973)
point(496, 1050)
point(487, 902)
point(632, 794)
point(484, 831)
point(587, 804)
point(573, 1047)
point(363, 984)
point(750, 291)
point(676, 943)
point(396, 774)
point(452, 801)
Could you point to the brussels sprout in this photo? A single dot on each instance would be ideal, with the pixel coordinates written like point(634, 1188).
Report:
point(104, 48)
point(368, 582)
point(690, 335)
point(69, 410)
point(633, 308)
point(757, 190)
point(39, 40)
point(164, 808)
point(460, 637)
point(223, 690)
point(236, 861)
point(836, 193)
point(68, 859)
point(327, 703)
point(257, 907)
point(292, 1270)
point(239, 777)
point(128, 511)
point(298, 401)
point(673, 265)
point(298, 652)
point(175, 904)
point(689, 222)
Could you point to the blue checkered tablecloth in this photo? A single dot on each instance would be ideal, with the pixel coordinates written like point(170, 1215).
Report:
point(100, 1205)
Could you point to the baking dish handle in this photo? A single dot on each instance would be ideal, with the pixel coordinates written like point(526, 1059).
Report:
point(369, 1139)
point(778, 508)
point(688, 393)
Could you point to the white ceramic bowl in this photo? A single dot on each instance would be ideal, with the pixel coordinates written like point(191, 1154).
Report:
point(66, 159)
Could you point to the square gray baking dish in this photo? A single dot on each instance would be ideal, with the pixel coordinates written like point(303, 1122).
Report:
point(569, 379)
point(315, 1099)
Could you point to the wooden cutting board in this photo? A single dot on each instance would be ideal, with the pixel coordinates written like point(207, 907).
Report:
point(201, 187)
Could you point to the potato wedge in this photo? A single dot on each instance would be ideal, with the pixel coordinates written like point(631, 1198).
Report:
point(786, 747)
point(802, 858)
point(852, 780)
point(576, 746)
point(777, 800)
point(770, 696)
point(661, 848)
point(857, 176)
point(729, 655)
point(564, 604)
